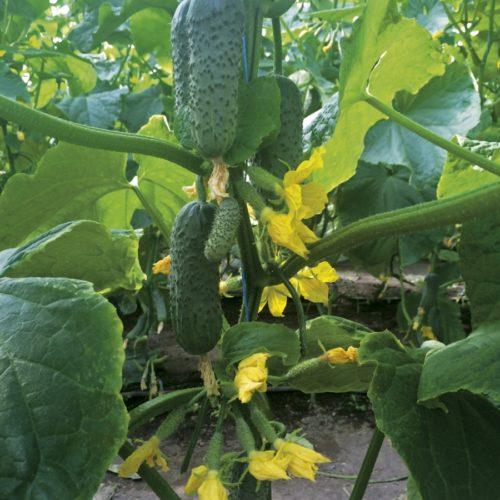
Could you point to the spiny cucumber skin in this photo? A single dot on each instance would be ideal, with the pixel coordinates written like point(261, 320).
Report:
point(180, 57)
point(214, 38)
point(319, 126)
point(194, 281)
point(224, 229)
point(288, 145)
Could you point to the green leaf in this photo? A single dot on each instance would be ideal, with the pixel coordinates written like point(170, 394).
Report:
point(151, 32)
point(11, 85)
point(429, 13)
point(324, 333)
point(138, 108)
point(83, 250)
point(447, 105)
point(71, 182)
point(258, 117)
point(331, 332)
point(161, 181)
point(245, 339)
point(101, 109)
point(460, 176)
point(375, 189)
point(389, 53)
point(479, 252)
point(450, 454)
point(61, 414)
point(336, 15)
point(472, 364)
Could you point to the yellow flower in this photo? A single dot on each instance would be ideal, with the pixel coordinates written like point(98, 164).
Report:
point(267, 465)
point(162, 266)
point(303, 201)
point(311, 283)
point(339, 356)
point(190, 190)
point(148, 452)
point(206, 483)
point(198, 475)
point(302, 460)
point(428, 333)
point(251, 376)
point(212, 488)
point(275, 297)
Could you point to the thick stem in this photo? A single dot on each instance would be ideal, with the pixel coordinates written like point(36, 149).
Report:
point(451, 210)
point(430, 136)
point(278, 46)
point(367, 466)
point(256, 43)
point(93, 137)
point(151, 476)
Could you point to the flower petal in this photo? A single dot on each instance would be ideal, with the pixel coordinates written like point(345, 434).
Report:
point(198, 475)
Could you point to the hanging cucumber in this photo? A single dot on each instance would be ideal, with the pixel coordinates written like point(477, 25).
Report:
point(224, 229)
point(194, 281)
point(180, 58)
point(207, 36)
point(288, 145)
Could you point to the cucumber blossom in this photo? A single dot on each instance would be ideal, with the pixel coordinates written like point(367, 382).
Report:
point(207, 54)
point(194, 281)
point(224, 229)
point(288, 145)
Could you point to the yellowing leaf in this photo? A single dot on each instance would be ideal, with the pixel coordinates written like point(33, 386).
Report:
point(388, 54)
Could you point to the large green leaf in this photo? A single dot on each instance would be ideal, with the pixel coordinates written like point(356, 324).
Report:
point(258, 117)
point(138, 108)
point(61, 413)
point(471, 364)
point(245, 339)
point(150, 30)
point(335, 15)
point(389, 53)
point(460, 176)
point(452, 451)
point(161, 181)
point(375, 189)
point(479, 252)
point(83, 250)
point(100, 109)
point(71, 182)
point(447, 105)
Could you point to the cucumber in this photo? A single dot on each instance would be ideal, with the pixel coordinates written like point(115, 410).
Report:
point(288, 145)
point(319, 126)
point(194, 281)
point(224, 229)
point(208, 37)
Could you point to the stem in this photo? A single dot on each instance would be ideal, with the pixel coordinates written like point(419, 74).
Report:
point(451, 210)
point(430, 136)
point(278, 46)
point(10, 156)
point(195, 436)
point(256, 43)
point(298, 306)
point(93, 137)
point(489, 44)
point(154, 479)
point(153, 213)
point(367, 466)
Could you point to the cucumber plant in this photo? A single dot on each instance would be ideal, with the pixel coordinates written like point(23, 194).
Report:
point(107, 135)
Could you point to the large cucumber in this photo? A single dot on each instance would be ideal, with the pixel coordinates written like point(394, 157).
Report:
point(288, 145)
point(209, 39)
point(194, 281)
point(224, 229)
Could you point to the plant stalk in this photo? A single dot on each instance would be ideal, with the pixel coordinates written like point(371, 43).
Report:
point(154, 479)
point(93, 137)
point(367, 466)
point(430, 136)
point(278, 46)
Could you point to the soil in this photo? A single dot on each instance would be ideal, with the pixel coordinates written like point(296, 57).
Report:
point(339, 426)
